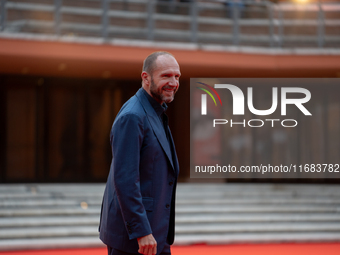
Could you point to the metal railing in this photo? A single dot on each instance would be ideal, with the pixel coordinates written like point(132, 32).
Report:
point(235, 22)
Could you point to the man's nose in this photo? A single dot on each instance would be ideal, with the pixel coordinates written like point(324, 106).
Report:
point(173, 81)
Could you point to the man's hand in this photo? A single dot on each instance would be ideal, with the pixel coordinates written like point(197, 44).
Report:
point(147, 245)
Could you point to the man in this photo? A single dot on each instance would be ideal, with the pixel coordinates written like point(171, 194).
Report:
point(138, 207)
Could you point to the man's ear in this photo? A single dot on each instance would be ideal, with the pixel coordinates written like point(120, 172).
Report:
point(145, 78)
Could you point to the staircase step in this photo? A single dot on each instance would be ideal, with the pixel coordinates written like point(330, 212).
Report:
point(223, 190)
point(212, 228)
point(256, 238)
point(48, 202)
point(14, 222)
point(256, 209)
point(270, 200)
point(55, 231)
point(83, 242)
point(255, 228)
point(261, 217)
point(50, 243)
point(49, 211)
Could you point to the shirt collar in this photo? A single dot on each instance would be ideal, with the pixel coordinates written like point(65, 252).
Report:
point(160, 109)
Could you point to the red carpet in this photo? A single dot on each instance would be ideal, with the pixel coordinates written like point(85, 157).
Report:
point(233, 249)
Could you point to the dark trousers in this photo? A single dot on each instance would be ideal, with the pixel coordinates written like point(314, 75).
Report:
point(113, 251)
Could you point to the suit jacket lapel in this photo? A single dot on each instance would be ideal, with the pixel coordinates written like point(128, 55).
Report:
point(156, 126)
point(174, 155)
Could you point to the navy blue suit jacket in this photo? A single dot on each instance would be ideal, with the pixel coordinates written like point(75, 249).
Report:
point(139, 197)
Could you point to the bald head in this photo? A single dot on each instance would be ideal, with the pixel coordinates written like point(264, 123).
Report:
point(150, 64)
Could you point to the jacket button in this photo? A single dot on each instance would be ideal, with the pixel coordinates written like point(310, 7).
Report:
point(170, 183)
point(167, 206)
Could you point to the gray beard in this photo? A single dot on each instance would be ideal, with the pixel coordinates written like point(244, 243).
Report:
point(157, 95)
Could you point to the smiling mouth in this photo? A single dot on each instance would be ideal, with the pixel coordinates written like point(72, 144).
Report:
point(169, 90)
